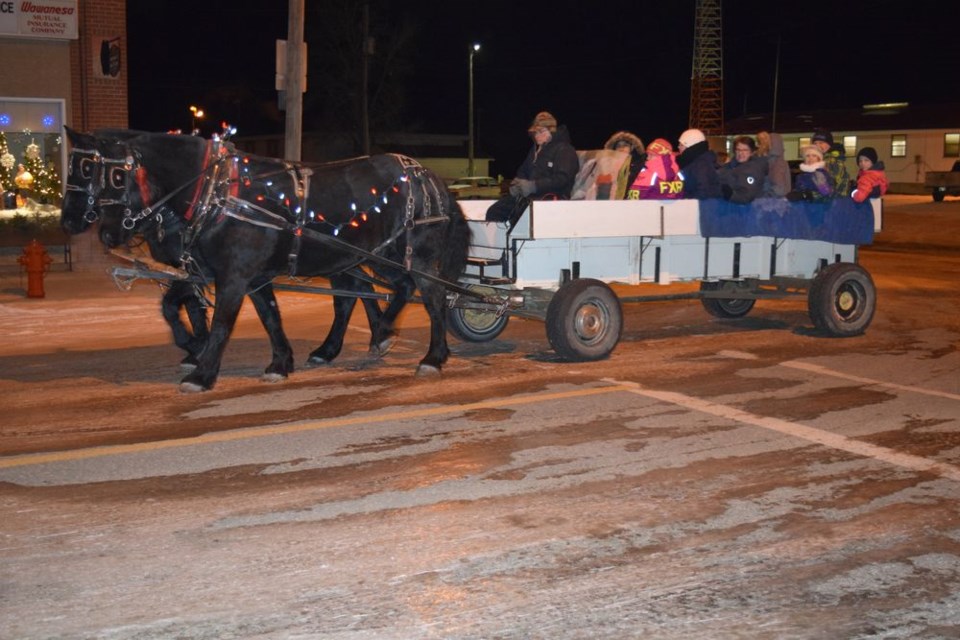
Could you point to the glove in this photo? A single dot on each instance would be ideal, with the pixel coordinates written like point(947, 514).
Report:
point(527, 187)
point(515, 189)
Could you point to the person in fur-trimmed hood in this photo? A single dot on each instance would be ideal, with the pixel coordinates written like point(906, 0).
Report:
point(871, 179)
point(632, 145)
point(698, 164)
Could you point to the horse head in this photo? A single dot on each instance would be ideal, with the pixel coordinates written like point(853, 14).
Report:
point(98, 177)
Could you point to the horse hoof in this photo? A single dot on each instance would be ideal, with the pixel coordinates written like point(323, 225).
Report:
point(191, 387)
point(427, 370)
point(316, 361)
point(272, 377)
point(382, 349)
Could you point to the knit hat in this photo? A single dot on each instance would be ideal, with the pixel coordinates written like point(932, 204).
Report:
point(543, 119)
point(810, 148)
point(868, 152)
point(821, 135)
point(659, 147)
point(691, 137)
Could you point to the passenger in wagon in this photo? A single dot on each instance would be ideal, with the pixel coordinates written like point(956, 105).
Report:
point(660, 178)
point(698, 165)
point(628, 143)
point(813, 183)
point(834, 159)
point(548, 171)
point(741, 179)
point(770, 148)
point(871, 179)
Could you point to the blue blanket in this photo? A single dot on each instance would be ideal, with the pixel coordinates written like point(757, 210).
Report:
point(841, 221)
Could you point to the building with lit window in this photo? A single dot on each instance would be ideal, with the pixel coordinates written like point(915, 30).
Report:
point(910, 139)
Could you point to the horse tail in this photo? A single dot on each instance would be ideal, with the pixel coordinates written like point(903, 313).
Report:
point(456, 236)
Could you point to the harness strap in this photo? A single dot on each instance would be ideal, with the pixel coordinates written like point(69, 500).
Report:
point(200, 183)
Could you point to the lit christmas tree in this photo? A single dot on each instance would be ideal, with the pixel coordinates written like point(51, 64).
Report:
point(46, 182)
point(7, 165)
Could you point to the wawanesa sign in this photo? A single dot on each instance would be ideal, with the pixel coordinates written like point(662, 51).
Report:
point(39, 19)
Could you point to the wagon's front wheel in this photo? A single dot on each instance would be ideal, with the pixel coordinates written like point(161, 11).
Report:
point(584, 320)
point(476, 325)
point(724, 307)
point(842, 300)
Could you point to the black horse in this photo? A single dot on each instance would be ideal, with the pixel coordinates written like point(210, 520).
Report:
point(96, 178)
point(100, 178)
point(248, 219)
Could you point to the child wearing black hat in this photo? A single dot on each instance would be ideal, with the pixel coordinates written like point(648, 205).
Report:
point(871, 179)
point(834, 161)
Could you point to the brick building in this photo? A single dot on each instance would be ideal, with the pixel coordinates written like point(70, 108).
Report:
point(64, 63)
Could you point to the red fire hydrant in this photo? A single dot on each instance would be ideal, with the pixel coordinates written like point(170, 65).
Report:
point(36, 261)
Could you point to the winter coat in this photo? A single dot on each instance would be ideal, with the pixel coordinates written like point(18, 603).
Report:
point(553, 167)
point(742, 182)
point(777, 184)
point(813, 183)
point(637, 155)
point(659, 179)
point(835, 165)
point(698, 166)
point(871, 183)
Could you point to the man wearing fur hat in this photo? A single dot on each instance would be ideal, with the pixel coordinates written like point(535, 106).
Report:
point(698, 164)
point(548, 171)
point(833, 161)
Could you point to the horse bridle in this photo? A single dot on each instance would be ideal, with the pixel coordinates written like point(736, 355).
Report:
point(101, 172)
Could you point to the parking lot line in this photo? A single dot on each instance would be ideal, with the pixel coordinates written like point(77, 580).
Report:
point(796, 430)
point(815, 368)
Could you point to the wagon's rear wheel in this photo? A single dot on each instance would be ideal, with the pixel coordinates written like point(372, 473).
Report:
point(476, 325)
point(842, 300)
point(724, 307)
point(584, 320)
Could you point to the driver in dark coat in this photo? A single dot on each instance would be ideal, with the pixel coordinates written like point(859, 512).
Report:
point(549, 170)
point(551, 164)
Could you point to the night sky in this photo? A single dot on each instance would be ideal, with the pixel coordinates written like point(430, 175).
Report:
point(599, 66)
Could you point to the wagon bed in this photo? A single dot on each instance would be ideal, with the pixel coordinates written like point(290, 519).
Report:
point(557, 261)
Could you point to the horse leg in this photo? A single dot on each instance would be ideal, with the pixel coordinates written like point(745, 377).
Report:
point(180, 295)
point(343, 307)
point(434, 301)
point(229, 299)
point(384, 335)
point(265, 302)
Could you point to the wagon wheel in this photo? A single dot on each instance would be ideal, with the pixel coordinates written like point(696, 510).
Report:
point(842, 300)
point(724, 307)
point(476, 325)
point(584, 320)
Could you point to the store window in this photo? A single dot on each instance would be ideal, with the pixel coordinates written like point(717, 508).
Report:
point(951, 145)
point(32, 152)
point(898, 145)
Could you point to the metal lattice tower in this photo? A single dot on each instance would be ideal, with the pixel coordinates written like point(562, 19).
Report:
point(706, 80)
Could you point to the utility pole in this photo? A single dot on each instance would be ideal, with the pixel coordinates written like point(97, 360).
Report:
point(367, 45)
point(294, 82)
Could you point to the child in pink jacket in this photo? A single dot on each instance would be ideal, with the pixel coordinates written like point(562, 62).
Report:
point(660, 178)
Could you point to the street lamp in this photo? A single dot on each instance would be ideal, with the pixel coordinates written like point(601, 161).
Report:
point(473, 49)
point(196, 113)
